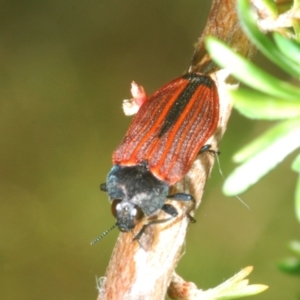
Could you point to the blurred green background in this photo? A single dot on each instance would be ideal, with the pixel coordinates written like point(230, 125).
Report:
point(65, 68)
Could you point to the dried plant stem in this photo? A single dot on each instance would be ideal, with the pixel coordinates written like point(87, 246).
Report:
point(144, 270)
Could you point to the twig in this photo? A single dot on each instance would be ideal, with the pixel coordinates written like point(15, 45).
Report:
point(144, 270)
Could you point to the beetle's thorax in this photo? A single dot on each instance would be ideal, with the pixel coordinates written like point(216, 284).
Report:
point(134, 188)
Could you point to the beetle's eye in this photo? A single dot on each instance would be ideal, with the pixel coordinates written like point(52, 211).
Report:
point(138, 214)
point(129, 212)
point(114, 207)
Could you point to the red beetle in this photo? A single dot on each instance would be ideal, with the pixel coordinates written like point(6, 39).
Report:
point(170, 129)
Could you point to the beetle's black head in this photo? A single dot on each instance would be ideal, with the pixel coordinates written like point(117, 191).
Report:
point(134, 192)
point(127, 214)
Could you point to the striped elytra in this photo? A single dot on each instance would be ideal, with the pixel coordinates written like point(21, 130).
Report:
point(171, 127)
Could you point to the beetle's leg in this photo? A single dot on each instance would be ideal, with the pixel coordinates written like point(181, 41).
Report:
point(206, 148)
point(181, 197)
point(103, 187)
point(184, 197)
point(170, 210)
point(167, 208)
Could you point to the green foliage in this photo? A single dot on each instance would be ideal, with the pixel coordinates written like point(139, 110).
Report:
point(291, 265)
point(267, 98)
point(233, 288)
point(262, 155)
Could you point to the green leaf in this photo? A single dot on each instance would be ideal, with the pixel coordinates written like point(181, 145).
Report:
point(297, 199)
point(296, 4)
point(263, 155)
point(244, 292)
point(250, 74)
point(261, 40)
point(296, 164)
point(288, 47)
point(290, 265)
point(280, 131)
point(235, 287)
point(271, 6)
point(256, 105)
point(296, 26)
point(296, 168)
point(294, 246)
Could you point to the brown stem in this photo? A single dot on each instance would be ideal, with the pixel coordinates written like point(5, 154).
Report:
point(223, 24)
point(143, 270)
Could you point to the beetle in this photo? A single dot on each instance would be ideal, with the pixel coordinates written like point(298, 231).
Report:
point(169, 130)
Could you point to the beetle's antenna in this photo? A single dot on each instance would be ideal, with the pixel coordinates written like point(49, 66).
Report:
point(217, 153)
point(220, 171)
point(102, 235)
